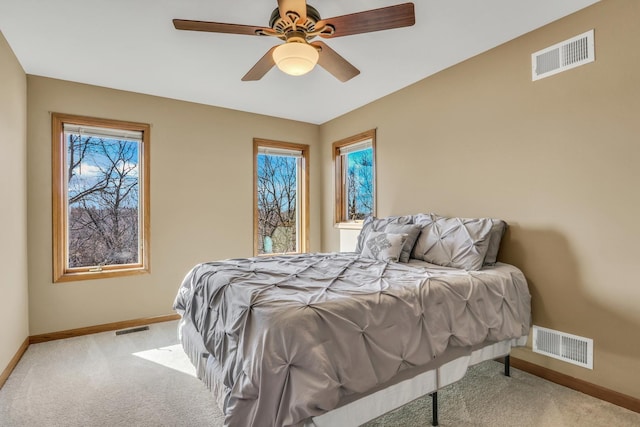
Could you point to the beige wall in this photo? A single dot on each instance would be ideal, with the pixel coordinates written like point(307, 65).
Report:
point(201, 198)
point(14, 314)
point(557, 158)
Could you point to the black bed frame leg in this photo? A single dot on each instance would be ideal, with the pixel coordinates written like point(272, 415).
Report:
point(507, 366)
point(434, 407)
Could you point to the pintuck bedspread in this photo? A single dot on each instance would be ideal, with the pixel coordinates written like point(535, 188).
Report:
point(293, 335)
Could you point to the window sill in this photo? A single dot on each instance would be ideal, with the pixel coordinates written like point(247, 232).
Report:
point(278, 254)
point(349, 225)
point(104, 274)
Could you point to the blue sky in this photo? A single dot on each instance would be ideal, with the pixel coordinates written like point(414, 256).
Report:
point(96, 163)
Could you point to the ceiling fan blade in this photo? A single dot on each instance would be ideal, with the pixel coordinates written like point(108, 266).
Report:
point(385, 18)
point(262, 67)
point(217, 27)
point(331, 61)
point(297, 6)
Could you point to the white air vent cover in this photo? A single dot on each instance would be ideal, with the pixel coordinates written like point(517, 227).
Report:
point(563, 56)
point(563, 346)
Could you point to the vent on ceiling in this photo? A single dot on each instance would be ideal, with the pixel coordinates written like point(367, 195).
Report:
point(563, 346)
point(563, 56)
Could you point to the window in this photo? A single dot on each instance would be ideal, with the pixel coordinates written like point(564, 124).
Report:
point(281, 179)
point(354, 159)
point(100, 198)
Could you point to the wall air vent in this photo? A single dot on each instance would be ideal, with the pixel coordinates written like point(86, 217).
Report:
point(563, 346)
point(563, 56)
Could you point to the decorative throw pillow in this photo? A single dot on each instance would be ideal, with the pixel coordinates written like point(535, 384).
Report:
point(412, 231)
point(371, 223)
point(383, 246)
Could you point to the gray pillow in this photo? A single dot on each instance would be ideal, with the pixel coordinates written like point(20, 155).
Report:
point(364, 231)
point(498, 229)
point(412, 231)
point(372, 223)
point(453, 242)
point(383, 246)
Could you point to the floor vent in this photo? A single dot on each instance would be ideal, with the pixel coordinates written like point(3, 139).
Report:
point(132, 330)
point(563, 346)
point(563, 56)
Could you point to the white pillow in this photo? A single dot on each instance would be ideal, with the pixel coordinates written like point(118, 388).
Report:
point(383, 246)
point(412, 231)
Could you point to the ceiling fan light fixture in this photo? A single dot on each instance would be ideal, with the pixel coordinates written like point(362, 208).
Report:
point(295, 58)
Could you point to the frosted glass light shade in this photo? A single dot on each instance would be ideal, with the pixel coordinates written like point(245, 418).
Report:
point(295, 58)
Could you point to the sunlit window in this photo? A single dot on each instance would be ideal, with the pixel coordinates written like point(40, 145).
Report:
point(354, 160)
point(101, 202)
point(281, 183)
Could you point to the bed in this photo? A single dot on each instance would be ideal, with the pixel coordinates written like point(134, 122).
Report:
point(340, 338)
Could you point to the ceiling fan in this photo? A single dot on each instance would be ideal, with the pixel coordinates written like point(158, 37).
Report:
point(297, 23)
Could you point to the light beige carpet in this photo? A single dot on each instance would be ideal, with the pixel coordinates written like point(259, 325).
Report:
point(144, 379)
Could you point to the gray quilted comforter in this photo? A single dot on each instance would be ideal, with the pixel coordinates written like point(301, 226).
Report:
point(293, 335)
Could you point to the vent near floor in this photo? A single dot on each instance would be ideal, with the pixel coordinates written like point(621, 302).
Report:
point(563, 56)
point(563, 346)
point(132, 330)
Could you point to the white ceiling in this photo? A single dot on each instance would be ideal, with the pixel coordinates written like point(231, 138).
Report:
point(132, 45)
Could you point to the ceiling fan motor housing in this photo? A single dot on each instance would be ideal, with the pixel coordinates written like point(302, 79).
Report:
point(290, 22)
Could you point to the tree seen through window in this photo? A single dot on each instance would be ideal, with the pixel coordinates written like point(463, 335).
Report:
point(354, 161)
point(280, 197)
point(102, 200)
point(100, 197)
point(359, 184)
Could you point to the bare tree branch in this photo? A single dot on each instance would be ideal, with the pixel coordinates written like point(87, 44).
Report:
point(277, 202)
point(103, 201)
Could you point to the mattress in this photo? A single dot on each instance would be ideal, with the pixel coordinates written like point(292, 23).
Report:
point(358, 409)
point(283, 340)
